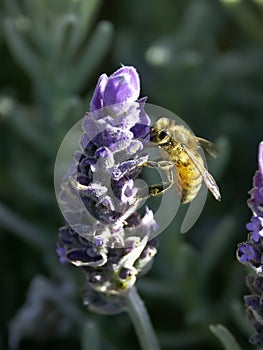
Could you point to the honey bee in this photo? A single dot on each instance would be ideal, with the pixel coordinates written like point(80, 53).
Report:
point(183, 148)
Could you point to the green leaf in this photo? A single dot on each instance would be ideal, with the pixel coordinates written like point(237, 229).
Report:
point(226, 338)
point(92, 54)
point(24, 122)
point(20, 50)
point(24, 55)
point(23, 229)
point(85, 17)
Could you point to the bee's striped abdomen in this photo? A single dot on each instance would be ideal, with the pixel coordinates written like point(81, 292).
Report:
point(191, 180)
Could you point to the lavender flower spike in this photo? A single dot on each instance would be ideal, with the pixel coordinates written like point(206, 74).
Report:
point(251, 253)
point(104, 234)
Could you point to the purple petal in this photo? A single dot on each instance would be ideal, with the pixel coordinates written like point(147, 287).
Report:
point(98, 241)
point(112, 137)
point(134, 77)
point(79, 257)
point(258, 179)
point(61, 252)
point(97, 99)
point(84, 141)
point(65, 235)
point(122, 86)
point(246, 252)
point(253, 302)
point(148, 219)
point(94, 191)
point(256, 236)
point(128, 193)
point(142, 130)
point(260, 158)
point(255, 226)
point(103, 152)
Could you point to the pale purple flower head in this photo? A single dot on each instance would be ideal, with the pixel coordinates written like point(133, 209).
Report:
point(256, 200)
point(105, 234)
point(252, 250)
point(251, 253)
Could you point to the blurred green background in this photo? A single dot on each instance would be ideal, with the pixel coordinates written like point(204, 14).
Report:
point(202, 59)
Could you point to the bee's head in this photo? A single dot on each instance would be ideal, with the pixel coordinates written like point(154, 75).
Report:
point(159, 136)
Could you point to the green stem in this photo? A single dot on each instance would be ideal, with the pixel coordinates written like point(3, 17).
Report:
point(141, 321)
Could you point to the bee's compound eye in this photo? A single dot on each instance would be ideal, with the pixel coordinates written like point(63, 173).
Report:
point(162, 135)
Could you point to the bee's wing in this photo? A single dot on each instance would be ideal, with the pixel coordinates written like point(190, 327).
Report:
point(208, 146)
point(207, 177)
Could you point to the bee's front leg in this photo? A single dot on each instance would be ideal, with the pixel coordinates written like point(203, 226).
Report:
point(168, 168)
